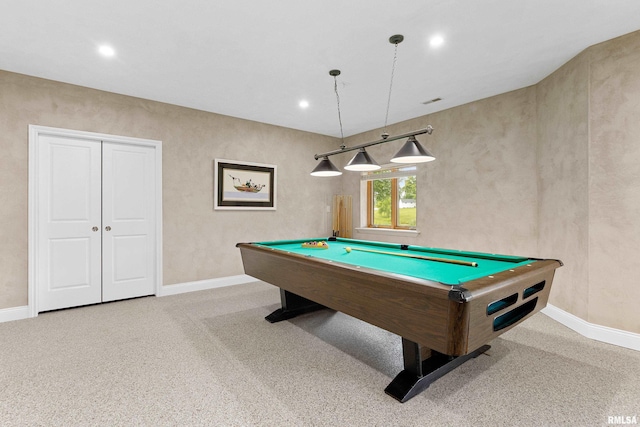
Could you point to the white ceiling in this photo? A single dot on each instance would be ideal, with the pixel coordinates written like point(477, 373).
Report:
point(257, 59)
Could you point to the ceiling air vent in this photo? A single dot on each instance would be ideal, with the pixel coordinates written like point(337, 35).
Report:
point(431, 101)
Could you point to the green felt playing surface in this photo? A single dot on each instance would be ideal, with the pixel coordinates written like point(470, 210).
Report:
point(446, 273)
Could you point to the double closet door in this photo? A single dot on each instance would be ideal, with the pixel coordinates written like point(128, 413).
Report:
point(96, 221)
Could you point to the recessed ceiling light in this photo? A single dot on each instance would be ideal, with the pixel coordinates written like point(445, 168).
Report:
point(436, 41)
point(304, 104)
point(106, 50)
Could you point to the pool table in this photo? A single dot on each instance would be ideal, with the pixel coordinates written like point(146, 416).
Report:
point(446, 305)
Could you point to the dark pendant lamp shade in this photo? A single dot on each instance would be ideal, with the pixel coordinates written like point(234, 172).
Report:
point(412, 152)
point(362, 162)
point(326, 168)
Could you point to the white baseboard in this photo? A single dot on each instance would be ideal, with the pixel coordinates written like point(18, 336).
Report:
point(595, 332)
point(24, 312)
point(202, 285)
point(14, 313)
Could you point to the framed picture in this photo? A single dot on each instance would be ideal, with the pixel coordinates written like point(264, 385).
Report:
point(244, 185)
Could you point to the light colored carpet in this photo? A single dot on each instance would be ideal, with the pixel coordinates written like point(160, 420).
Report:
point(210, 359)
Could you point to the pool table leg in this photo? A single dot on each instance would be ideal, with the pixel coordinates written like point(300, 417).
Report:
point(419, 373)
point(292, 306)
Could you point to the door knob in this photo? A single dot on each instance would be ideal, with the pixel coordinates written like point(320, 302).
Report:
point(95, 229)
point(108, 228)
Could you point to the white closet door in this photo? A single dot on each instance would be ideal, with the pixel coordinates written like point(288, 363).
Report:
point(69, 222)
point(128, 221)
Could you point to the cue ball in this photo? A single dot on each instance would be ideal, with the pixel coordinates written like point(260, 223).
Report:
point(348, 249)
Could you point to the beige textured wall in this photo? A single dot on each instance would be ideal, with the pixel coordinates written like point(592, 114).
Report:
point(481, 193)
point(589, 152)
point(614, 191)
point(199, 243)
point(563, 181)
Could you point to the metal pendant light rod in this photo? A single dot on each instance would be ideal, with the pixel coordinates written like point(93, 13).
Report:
point(428, 130)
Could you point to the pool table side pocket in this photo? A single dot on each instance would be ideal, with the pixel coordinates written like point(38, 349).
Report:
point(493, 310)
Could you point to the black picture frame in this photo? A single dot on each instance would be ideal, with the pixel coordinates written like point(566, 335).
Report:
point(240, 185)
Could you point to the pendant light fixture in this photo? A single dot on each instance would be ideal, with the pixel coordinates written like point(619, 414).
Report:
point(362, 161)
point(395, 40)
point(411, 152)
point(326, 168)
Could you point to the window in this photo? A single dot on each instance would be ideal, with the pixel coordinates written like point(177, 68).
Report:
point(391, 195)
